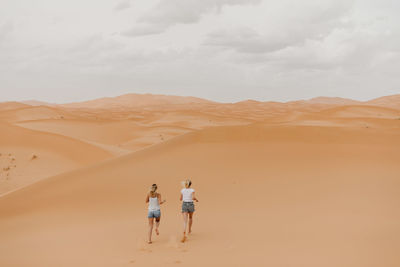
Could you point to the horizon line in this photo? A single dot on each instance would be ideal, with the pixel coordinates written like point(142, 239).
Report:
point(206, 99)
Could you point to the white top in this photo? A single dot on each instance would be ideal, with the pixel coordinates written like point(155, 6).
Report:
point(153, 204)
point(187, 194)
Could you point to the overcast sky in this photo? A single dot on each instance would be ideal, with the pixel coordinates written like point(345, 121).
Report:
point(224, 50)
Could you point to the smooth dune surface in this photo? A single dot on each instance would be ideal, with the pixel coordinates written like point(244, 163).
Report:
point(27, 156)
point(305, 183)
point(10, 105)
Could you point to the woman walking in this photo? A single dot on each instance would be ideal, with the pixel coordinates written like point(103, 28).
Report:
point(187, 197)
point(154, 200)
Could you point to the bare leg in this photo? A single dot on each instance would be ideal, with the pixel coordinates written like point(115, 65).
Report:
point(190, 221)
point(185, 219)
point(158, 224)
point(150, 229)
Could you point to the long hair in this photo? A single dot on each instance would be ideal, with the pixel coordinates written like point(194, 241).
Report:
point(153, 190)
point(188, 183)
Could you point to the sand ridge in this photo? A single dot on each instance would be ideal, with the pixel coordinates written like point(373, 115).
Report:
point(40, 154)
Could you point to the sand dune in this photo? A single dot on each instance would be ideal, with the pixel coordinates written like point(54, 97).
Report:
point(330, 101)
point(125, 131)
point(363, 111)
point(125, 135)
point(28, 156)
point(392, 101)
point(135, 100)
point(303, 183)
point(346, 116)
point(12, 105)
point(128, 135)
point(110, 133)
point(265, 192)
point(34, 113)
point(37, 103)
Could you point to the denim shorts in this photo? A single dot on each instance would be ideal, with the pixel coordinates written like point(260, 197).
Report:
point(154, 214)
point(188, 207)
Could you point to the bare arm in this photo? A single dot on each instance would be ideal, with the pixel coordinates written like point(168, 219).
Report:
point(147, 198)
point(194, 197)
point(180, 197)
point(159, 199)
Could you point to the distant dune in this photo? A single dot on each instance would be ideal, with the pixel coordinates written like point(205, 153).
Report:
point(304, 183)
point(136, 100)
point(392, 101)
point(12, 105)
point(365, 111)
point(31, 113)
point(37, 103)
point(331, 101)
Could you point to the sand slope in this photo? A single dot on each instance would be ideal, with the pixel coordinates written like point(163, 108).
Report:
point(362, 112)
point(386, 101)
point(34, 113)
point(126, 132)
point(12, 105)
point(270, 196)
point(27, 155)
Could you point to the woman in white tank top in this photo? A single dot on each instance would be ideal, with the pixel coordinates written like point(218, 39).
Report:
point(154, 200)
point(187, 198)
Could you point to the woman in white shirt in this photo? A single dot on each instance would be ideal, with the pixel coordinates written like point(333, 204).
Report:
point(154, 200)
point(187, 197)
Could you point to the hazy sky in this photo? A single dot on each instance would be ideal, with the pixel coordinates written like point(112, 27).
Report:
point(225, 50)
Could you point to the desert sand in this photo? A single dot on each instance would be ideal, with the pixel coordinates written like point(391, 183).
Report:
point(303, 183)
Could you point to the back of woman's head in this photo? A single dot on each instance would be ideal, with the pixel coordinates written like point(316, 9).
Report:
point(153, 189)
point(188, 183)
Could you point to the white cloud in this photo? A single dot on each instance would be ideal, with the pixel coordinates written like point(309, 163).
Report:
point(144, 29)
point(168, 13)
point(122, 5)
point(247, 40)
point(292, 28)
point(223, 50)
point(5, 29)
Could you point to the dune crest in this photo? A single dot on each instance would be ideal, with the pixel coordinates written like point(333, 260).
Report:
point(392, 101)
point(12, 105)
point(135, 101)
point(28, 156)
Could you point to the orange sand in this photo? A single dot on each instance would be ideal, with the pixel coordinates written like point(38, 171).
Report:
point(305, 183)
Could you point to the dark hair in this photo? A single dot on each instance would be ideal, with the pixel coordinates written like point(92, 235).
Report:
point(153, 189)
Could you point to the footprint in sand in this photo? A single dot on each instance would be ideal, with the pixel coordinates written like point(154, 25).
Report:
point(173, 242)
point(142, 245)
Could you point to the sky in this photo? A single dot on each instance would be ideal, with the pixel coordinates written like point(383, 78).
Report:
point(225, 50)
